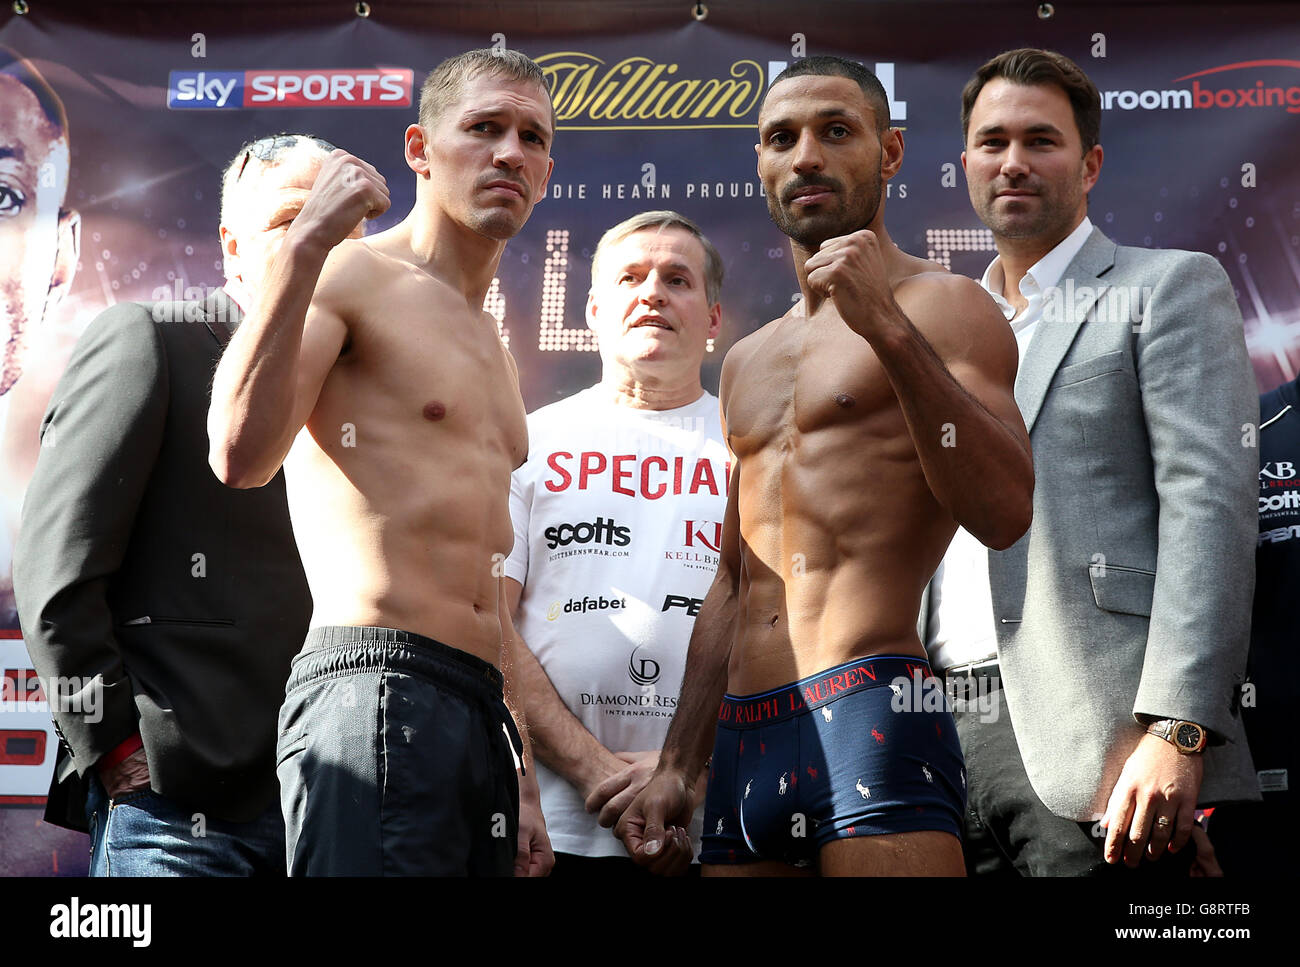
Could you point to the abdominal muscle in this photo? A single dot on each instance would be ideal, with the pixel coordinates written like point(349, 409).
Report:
point(835, 576)
point(403, 539)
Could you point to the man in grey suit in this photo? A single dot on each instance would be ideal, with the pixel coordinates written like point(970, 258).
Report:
point(160, 608)
point(1112, 637)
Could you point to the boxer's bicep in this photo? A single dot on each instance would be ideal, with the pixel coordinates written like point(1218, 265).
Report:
point(975, 343)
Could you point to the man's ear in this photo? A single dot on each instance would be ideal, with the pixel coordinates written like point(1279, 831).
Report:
point(1091, 167)
point(715, 320)
point(229, 253)
point(891, 153)
point(65, 259)
point(541, 189)
point(591, 310)
point(415, 149)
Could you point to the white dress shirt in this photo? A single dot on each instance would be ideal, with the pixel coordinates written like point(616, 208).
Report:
point(961, 628)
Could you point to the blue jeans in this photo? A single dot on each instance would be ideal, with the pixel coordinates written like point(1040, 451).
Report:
point(143, 834)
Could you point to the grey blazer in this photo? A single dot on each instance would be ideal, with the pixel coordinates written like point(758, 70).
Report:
point(1131, 592)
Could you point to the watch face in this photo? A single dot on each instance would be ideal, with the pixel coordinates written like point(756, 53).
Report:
point(1188, 735)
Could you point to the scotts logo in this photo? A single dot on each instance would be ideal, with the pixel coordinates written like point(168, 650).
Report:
point(583, 605)
point(375, 87)
point(642, 671)
point(1219, 92)
point(638, 92)
point(601, 531)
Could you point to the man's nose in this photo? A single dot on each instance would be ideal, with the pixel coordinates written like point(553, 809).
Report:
point(1015, 160)
point(509, 151)
point(807, 153)
point(652, 291)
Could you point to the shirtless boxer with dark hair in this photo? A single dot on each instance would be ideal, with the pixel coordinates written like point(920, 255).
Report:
point(865, 425)
point(371, 370)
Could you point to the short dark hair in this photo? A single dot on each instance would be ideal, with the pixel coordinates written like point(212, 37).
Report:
point(24, 72)
point(826, 65)
point(1030, 66)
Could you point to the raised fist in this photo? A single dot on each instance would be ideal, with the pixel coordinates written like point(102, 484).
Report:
point(346, 190)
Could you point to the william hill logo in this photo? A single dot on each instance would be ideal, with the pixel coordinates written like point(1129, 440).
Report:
point(637, 92)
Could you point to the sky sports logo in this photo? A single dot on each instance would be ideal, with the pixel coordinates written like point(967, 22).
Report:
point(231, 90)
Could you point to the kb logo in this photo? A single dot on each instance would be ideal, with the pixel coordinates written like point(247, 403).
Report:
point(642, 671)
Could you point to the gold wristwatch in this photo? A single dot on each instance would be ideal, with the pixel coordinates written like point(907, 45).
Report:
point(1186, 737)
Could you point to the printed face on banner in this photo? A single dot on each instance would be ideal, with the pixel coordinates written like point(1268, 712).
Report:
point(821, 159)
point(648, 305)
point(1025, 168)
point(267, 200)
point(489, 155)
point(33, 178)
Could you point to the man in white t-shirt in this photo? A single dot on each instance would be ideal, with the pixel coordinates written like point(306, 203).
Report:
point(618, 519)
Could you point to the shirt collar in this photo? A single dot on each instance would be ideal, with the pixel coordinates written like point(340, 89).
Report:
point(237, 294)
point(1042, 275)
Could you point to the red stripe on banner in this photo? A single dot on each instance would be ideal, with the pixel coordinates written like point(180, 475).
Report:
point(22, 800)
point(14, 633)
point(21, 685)
point(1244, 63)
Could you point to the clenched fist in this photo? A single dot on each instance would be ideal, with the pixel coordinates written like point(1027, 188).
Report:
point(346, 190)
point(850, 270)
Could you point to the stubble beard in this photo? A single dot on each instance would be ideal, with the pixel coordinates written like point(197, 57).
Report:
point(855, 213)
point(496, 224)
point(1052, 219)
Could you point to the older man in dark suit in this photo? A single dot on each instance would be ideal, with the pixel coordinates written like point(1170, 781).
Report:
point(161, 608)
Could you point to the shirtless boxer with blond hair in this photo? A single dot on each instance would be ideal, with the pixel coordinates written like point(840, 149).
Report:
point(371, 371)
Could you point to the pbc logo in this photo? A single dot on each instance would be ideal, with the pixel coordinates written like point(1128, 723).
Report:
point(705, 533)
point(643, 671)
point(377, 87)
point(602, 531)
point(692, 605)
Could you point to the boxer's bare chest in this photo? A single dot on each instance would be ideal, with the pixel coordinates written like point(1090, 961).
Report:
point(422, 363)
point(805, 383)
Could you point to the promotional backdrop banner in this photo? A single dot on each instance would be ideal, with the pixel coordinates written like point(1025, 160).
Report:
point(655, 109)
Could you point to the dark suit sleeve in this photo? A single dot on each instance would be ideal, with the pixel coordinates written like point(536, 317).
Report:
point(1201, 407)
point(99, 441)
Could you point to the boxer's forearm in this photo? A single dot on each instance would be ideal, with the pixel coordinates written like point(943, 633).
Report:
point(690, 736)
point(251, 417)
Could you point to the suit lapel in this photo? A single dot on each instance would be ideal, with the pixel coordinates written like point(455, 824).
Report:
point(1078, 288)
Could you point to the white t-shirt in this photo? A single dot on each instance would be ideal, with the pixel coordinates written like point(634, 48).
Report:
point(618, 521)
